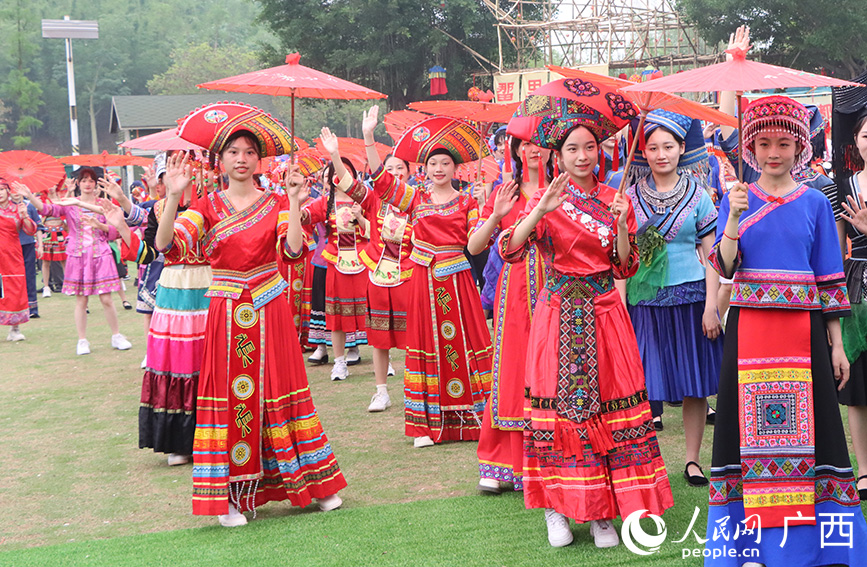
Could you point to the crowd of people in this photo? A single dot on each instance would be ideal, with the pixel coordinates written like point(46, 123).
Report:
point(603, 305)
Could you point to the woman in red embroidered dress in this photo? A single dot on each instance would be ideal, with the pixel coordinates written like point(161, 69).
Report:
point(14, 308)
point(501, 445)
point(448, 346)
point(386, 256)
point(258, 436)
point(346, 278)
point(590, 450)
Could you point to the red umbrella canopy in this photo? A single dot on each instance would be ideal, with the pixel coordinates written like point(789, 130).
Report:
point(463, 141)
point(105, 159)
point(161, 141)
point(474, 111)
point(397, 121)
point(653, 100)
point(739, 74)
point(293, 79)
point(38, 171)
point(553, 109)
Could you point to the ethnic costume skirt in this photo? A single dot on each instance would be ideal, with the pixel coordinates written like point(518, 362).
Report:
point(318, 335)
point(148, 276)
point(176, 340)
point(590, 450)
point(90, 275)
point(679, 361)
point(305, 307)
point(258, 436)
point(54, 244)
point(14, 308)
point(854, 328)
point(345, 300)
point(501, 445)
point(386, 315)
point(448, 357)
point(776, 392)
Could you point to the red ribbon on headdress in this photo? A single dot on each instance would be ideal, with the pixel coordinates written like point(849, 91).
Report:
point(541, 173)
point(526, 169)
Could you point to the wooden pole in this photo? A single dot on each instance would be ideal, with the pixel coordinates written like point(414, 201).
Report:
point(292, 123)
point(739, 95)
point(638, 132)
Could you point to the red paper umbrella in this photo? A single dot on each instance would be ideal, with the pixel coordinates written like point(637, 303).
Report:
point(648, 101)
point(487, 173)
point(462, 141)
point(738, 75)
point(293, 80)
point(474, 111)
point(162, 141)
point(355, 150)
point(397, 121)
point(105, 159)
point(38, 171)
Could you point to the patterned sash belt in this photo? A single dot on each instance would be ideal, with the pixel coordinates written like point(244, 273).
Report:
point(574, 287)
point(578, 396)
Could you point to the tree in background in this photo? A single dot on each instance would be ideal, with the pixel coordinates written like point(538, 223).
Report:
point(816, 35)
point(22, 95)
point(198, 63)
point(387, 45)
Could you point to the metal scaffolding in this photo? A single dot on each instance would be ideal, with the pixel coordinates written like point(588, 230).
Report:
point(625, 34)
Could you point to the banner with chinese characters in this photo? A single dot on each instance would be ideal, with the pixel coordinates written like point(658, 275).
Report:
point(512, 87)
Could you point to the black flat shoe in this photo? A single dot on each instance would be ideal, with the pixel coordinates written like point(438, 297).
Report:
point(126, 305)
point(711, 416)
point(657, 423)
point(694, 480)
point(862, 492)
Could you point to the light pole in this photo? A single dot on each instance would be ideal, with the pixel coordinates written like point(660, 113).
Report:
point(69, 29)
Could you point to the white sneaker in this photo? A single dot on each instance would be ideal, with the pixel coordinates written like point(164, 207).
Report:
point(559, 533)
point(603, 533)
point(83, 347)
point(233, 518)
point(119, 342)
point(390, 369)
point(144, 362)
point(423, 441)
point(333, 502)
point(15, 335)
point(46, 292)
point(489, 485)
point(352, 356)
point(176, 460)
point(379, 402)
point(319, 356)
point(339, 372)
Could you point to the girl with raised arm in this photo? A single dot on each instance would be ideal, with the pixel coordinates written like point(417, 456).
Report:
point(90, 268)
point(780, 461)
point(448, 346)
point(590, 449)
point(258, 437)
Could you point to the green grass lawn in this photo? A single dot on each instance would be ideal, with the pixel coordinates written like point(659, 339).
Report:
point(75, 489)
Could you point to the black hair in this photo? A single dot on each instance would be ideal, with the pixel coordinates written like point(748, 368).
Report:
point(518, 174)
point(859, 123)
point(329, 180)
point(674, 135)
point(241, 134)
point(499, 136)
point(82, 173)
point(562, 140)
point(389, 156)
point(439, 152)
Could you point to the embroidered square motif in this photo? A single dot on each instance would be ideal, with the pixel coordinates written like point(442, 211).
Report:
point(776, 413)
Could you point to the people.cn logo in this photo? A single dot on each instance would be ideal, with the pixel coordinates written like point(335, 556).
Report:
point(637, 540)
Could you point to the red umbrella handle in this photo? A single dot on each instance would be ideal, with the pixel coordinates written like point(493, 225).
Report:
point(632, 149)
point(739, 95)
